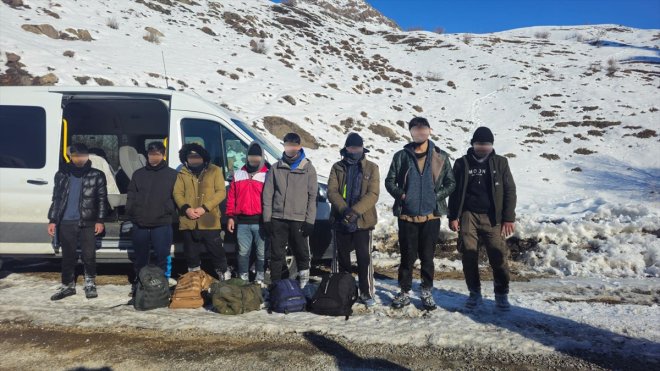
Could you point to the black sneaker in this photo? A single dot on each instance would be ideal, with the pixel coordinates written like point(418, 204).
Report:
point(502, 302)
point(90, 288)
point(367, 300)
point(401, 300)
point(427, 300)
point(474, 300)
point(90, 292)
point(63, 292)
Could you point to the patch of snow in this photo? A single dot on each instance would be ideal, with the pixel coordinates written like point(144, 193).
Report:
point(539, 322)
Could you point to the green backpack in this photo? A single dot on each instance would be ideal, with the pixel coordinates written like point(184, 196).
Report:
point(235, 296)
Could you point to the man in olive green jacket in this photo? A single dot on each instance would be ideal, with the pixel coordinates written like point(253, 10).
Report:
point(198, 191)
point(353, 189)
point(419, 179)
point(482, 209)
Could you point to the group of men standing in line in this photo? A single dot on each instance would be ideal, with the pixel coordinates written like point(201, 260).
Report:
point(277, 203)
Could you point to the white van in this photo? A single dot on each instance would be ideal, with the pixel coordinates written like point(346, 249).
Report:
point(116, 123)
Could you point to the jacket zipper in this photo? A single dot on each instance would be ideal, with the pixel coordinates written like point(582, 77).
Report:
point(286, 189)
point(465, 178)
point(68, 184)
point(80, 200)
point(421, 182)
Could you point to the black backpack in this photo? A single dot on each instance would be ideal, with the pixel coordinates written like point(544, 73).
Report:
point(153, 290)
point(335, 296)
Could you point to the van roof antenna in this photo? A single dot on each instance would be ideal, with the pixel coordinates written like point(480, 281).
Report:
point(196, 93)
point(167, 83)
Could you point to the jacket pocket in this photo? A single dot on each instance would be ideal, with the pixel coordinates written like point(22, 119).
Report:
point(298, 205)
point(278, 202)
point(369, 218)
point(297, 196)
point(168, 208)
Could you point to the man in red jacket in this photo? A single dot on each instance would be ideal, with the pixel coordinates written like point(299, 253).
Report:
point(244, 211)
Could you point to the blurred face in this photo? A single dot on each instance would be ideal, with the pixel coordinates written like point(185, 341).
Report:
point(79, 160)
point(420, 134)
point(155, 158)
point(254, 161)
point(355, 150)
point(354, 153)
point(194, 160)
point(482, 149)
point(290, 149)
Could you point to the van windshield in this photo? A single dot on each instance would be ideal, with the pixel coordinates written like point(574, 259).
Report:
point(272, 150)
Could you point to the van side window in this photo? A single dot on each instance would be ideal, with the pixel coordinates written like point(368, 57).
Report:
point(235, 152)
point(149, 140)
point(105, 146)
point(22, 137)
point(205, 133)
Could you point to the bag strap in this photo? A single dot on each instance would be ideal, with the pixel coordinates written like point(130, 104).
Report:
point(334, 267)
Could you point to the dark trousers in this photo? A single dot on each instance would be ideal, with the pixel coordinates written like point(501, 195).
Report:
point(476, 228)
point(72, 236)
point(144, 238)
point(417, 240)
point(285, 232)
point(360, 241)
point(195, 241)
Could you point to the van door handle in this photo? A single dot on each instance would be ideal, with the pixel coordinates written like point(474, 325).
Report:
point(37, 181)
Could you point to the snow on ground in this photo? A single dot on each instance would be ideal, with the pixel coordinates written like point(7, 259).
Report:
point(568, 315)
point(587, 237)
point(591, 237)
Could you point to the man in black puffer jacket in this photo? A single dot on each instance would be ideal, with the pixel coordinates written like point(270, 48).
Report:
point(150, 205)
point(77, 212)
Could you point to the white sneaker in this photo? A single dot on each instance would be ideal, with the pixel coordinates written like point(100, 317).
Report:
point(245, 277)
point(304, 277)
point(223, 276)
point(259, 278)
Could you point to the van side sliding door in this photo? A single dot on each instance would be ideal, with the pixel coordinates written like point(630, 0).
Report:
point(30, 130)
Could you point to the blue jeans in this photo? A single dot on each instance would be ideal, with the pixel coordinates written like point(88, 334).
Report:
point(160, 238)
point(168, 271)
point(249, 235)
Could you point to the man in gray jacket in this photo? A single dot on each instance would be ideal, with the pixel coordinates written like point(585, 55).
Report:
point(289, 208)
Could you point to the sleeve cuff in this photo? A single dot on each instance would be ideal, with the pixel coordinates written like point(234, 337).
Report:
point(184, 208)
point(205, 208)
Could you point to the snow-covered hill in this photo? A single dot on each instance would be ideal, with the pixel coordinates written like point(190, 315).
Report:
point(575, 109)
